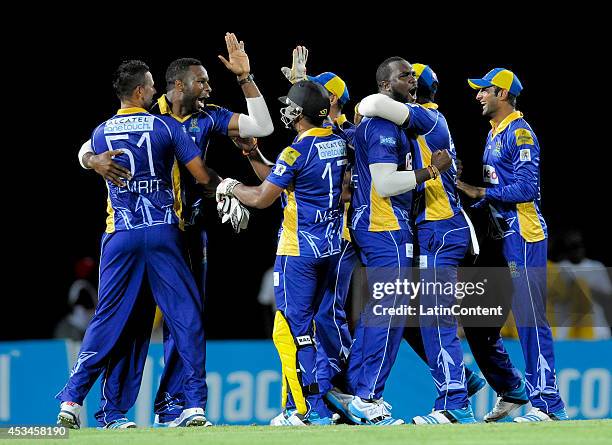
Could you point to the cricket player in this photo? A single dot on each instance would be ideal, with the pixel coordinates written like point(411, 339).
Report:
point(308, 174)
point(188, 89)
point(444, 235)
point(333, 335)
point(511, 170)
point(380, 228)
point(141, 240)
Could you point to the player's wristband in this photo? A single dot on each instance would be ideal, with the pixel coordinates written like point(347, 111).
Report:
point(431, 172)
point(247, 79)
point(436, 171)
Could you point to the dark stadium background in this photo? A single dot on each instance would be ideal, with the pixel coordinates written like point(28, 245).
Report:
point(67, 214)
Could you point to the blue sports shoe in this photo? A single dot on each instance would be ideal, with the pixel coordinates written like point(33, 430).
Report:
point(119, 424)
point(474, 384)
point(537, 415)
point(315, 419)
point(437, 417)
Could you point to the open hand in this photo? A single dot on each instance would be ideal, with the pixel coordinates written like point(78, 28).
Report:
point(238, 62)
point(104, 165)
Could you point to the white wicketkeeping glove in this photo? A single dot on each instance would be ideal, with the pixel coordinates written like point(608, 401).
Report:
point(298, 67)
point(225, 188)
point(230, 209)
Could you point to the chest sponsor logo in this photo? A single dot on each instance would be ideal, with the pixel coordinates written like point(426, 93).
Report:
point(525, 155)
point(389, 141)
point(331, 149)
point(489, 174)
point(129, 124)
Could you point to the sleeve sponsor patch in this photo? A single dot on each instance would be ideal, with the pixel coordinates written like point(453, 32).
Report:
point(390, 141)
point(489, 174)
point(289, 156)
point(523, 137)
point(279, 169)
point(525, 155)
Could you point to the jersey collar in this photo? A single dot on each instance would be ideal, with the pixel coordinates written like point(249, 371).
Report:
point(503, 124)
point(132, 110)
point(165, 107)
point(314, 132)
point(430, 105)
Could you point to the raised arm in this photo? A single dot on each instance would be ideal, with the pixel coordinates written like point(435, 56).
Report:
point(257, 123)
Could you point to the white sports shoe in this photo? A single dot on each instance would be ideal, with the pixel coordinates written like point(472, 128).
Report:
point(288, 417)
point(537, 415)
point(69, 415)
point(339, 400)
point(501, 409)
point(372, 413)
point(190, 417)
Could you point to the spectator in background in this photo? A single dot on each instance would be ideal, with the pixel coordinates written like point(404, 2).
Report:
point(588, 292)
point(82, 300)
point(266, 299)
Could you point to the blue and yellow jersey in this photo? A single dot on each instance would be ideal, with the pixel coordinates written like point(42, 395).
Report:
point(511, 170)
point(376, 141)
point(346, 129)
point(437, 199)
point(310, 171)
point(150, 145)
point(200, 127)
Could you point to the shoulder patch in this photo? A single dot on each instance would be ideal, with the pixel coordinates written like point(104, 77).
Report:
point(388, 140)
point(289, 155)
point(279, 169)
point(525, 155)
point(523, 137)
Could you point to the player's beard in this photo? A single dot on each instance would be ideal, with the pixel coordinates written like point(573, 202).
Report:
point(191, 103)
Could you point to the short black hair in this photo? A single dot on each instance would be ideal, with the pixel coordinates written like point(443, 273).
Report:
point(316, 121)
point(383, 72)
point(129, 75)
point(511, 97)
point(177, 70)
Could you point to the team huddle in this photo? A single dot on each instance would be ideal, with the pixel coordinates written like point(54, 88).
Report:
point(382, 192)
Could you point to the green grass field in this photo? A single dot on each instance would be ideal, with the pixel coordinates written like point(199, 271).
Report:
point(548, 433)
